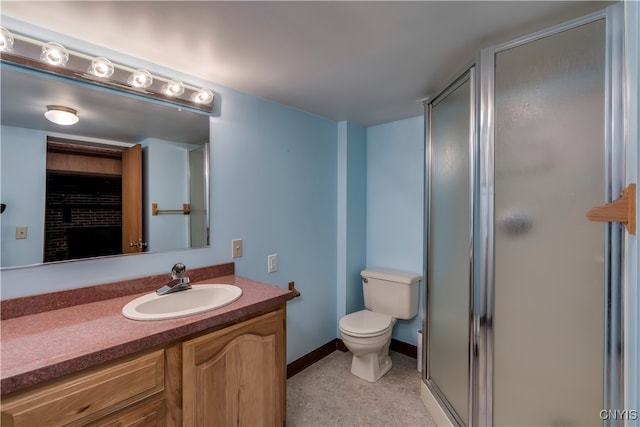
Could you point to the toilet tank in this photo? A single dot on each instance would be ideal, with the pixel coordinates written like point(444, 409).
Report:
point(391, 292)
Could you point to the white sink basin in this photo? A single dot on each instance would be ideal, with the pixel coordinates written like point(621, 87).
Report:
point(198, 299)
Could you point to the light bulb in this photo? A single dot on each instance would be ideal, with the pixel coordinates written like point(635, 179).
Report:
point(173, 88)
point(101, 67)
point(140, 79)
point(54, 54)
point(202, 96)
point(6, 40)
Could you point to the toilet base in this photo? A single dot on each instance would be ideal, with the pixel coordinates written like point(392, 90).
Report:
point(370, 354)
point(370, 366)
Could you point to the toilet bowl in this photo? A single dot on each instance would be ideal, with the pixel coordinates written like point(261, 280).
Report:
point(388, 295)
point(368, 335)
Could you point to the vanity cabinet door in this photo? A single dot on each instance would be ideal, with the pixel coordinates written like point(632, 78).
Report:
point(237, 376)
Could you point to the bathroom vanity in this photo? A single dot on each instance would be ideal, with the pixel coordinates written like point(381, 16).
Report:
point(88, 365)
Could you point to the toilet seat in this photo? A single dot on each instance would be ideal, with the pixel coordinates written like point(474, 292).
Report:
point(366, 323)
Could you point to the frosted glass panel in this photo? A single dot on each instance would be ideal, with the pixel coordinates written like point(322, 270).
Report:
point(449, 248)
point(549, 259)
point(198, 220)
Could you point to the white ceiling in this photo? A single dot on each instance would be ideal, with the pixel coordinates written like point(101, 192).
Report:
point(366, 62)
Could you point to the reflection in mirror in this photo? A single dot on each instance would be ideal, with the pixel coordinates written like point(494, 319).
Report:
point(69, 191)
point(83, 200)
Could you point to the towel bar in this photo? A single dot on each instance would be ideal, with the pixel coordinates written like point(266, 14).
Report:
point(186, 209)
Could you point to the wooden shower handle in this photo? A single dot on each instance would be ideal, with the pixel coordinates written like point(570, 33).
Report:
point(623, 210)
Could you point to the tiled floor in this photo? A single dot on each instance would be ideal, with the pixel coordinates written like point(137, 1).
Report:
point(326, 394)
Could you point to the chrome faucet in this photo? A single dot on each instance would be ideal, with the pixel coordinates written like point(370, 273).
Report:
point(179, 282)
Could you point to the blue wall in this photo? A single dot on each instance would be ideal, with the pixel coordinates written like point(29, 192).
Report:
point(23, 157)
point(165, 169)
point(273, 184)
point(352, 214)
point(395, 194)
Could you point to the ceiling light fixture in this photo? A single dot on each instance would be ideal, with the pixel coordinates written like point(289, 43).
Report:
point(23, 51)
point(60, 115)
point(101, 67)
point(140, 78)
point(55, 54)
point(6, 40)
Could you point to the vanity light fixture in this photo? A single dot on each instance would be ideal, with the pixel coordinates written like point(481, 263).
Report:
point(55, 54)
point(202, 96)
point(6, 40)
point(61, 115)
point(173, 88)
point(140, 79)
point(101, 67)
point(22, 51)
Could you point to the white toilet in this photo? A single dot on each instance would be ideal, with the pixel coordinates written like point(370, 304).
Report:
point(388, 295)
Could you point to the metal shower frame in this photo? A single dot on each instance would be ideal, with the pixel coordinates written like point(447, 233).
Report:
point(481, 73)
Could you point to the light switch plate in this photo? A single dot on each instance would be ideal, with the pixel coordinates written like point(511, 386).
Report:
point(272, 263)
point(236, 248)
point(21, 232)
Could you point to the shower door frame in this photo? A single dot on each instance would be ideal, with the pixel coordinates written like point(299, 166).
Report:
point(481, 251)
point(469, 73)
point(614, 233)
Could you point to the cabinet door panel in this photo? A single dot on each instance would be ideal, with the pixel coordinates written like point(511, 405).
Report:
point(236, 376)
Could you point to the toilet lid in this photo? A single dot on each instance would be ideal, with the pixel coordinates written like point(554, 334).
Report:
point(365, 323)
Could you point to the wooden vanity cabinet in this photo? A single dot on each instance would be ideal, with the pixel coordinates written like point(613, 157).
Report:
point(235, 376)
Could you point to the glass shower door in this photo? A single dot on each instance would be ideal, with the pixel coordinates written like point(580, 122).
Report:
point(449, 242)
point(549, 260)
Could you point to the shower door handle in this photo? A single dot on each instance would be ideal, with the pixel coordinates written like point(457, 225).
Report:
point(622, 210)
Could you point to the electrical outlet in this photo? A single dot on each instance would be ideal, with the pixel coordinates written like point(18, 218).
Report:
point(236, 248)
point(272, 263)
point(21, 232)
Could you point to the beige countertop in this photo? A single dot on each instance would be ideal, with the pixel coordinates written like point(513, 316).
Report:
point(47, 345)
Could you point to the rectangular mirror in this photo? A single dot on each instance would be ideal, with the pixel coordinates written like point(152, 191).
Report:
point(68, 191)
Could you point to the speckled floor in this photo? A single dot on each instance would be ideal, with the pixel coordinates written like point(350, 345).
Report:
point(326, 394)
